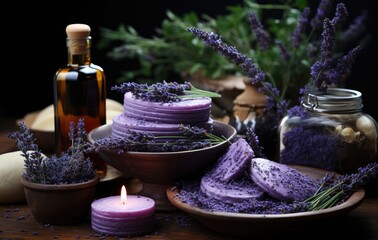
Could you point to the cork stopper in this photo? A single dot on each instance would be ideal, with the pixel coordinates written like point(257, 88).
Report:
point(78, 31)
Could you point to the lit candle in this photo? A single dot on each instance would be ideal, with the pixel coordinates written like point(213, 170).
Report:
point(123, 215)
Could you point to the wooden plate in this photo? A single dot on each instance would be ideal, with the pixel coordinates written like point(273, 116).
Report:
point(249, 225)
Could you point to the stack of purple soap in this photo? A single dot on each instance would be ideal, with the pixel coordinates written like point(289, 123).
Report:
point(162, 118)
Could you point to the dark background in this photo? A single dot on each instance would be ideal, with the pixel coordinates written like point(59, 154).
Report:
point(35, 47)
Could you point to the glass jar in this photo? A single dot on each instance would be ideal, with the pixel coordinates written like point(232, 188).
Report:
point(329, 131)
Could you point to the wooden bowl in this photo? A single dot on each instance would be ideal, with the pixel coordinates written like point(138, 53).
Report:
point(157, 170)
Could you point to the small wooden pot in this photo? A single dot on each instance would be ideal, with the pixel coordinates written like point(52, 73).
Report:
point(62, 204)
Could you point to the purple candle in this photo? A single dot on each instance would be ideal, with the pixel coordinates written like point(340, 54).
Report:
point(123, 215)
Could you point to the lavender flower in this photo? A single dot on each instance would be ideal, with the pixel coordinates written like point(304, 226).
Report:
point(329, 71)
point(191, 137)
point(71, 167)
point(255, 75)
point(354, 30)
point(284, 52)
point(342, 187)
point(321, 13)
point(163, 92)
point(262, 37)
point(328, 42)
point(297, 111)
point(253, 141)
point(340, 16)
point(300, 29)
point(345, 63)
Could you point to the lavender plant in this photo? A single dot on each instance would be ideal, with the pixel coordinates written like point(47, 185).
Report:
point(71, 167)
point(301, 54)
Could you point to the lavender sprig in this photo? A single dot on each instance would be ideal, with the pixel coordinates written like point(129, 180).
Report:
point(332, 193)
point(321, 13)
point(328, 70)
point(192, 137)
point(300, 29)
point(354, 30)
point(262, 36)
point(256, 76)
point(253, 141)
point(163, 92)
point(340, 16)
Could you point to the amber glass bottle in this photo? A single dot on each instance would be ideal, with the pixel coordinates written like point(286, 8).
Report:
point(79, 91)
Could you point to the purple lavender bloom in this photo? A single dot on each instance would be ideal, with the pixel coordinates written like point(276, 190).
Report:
point(323, 73)
point(321, 12)
point(297, 111)
point(300, 29)
point(191, 137)
point(193, 131)
point(55, 170)
point(215, 42)
point(345, 63)
point(340, 16)
point(283, 50)
point(329, 71)
point(262, 37)
point(351, 182)
point(253, 141)
point(355, 29)
point(329, 39)
point(335, 190)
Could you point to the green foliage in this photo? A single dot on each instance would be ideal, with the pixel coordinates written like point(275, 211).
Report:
point(173, 49)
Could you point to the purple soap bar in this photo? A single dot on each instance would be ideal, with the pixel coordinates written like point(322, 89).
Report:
point(231, 192)
point(281, 181)
point(234, 162)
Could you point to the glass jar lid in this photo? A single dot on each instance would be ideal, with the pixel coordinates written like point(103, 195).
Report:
point(334, 100)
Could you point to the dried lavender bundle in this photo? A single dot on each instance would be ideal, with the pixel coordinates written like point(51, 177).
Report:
point(192, 137)
point(335, 190)
point(163, 92)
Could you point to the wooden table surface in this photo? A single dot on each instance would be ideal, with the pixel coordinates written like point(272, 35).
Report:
point(16, 221)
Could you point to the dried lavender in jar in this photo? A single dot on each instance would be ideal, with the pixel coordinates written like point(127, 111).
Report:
point(329, 131)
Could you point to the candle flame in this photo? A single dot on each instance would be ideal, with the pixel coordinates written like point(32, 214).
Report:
point(123, 195)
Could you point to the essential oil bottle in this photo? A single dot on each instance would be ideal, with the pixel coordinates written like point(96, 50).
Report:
point(79, 91)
